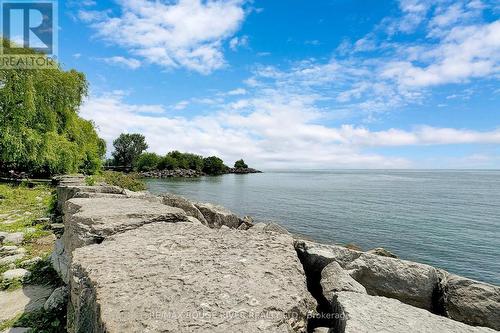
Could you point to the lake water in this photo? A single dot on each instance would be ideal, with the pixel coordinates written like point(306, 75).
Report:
point(448, 219)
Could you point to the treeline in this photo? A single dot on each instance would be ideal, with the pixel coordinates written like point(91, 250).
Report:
point(130, 152)
point(40, 130)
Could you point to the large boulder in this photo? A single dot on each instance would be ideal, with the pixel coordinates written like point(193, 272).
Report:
point(57, 300)
point(184, 277)
point(471, 302)
point(66, 192)
point(89, 221)
point(335, 279)
point(315, 256)
point(361, 313)
point(184, 204)
point(217, 216)
point(409, 282)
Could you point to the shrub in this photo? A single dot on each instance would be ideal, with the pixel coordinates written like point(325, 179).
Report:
point(168, 162)
point(130, 182)
point(147, 162)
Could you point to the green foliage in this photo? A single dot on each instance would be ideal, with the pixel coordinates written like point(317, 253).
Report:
point(42, 273)
point(195, 162)
point(240, 164)
point(42, 321)
point(168, 163)
point(214, 166)
point(40, 130)
point(128, 147)
point(127, 181)
point(147, 162)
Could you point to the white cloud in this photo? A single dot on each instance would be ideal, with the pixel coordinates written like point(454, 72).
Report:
point(127, 62)
point(181, 105)
point(465, 53)
point(238, 42)
point(270, 131)
point(187, 33)
point(236, 92)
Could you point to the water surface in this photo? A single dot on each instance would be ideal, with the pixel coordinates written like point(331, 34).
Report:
point(448, 219)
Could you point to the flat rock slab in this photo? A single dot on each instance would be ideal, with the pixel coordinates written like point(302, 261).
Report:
point(367, 314)
point(184, 277)
point(27, 299)
point(91, 220)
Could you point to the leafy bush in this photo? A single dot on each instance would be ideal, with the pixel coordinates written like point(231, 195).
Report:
point(168, 163)
point(214, 166)
point(40, 130)
point(147, 162)
point(127, 181)
point(240, 164)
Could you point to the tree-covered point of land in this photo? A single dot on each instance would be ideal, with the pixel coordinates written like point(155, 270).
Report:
point(40, 130)
point(214, 166)
point(240, 164)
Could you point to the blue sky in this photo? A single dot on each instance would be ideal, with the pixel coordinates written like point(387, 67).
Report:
point(295, 84)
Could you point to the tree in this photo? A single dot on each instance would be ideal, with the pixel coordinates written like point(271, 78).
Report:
point(195, 162)
point(168, 163)
point(147, 162)
point(182, 162)
point(214, 166)
point(240, 164)
point(40, 130)
point(128, 147)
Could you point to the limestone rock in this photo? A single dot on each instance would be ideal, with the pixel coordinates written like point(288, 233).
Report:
point(471, 302)
point(334, 279)
point(361, 313)
point(218, 216)
point(67, 192)
point(89, 221)
point(409, 282)
point(18, 273)
point(184, 204)
point(30, 262)
point(26, 299)
point(57, 299)
point(382, 252)
point(14, 237)
point(60, 261)
point(11, 259)
point(182, 277)
point(274, 227)
point(315, 256)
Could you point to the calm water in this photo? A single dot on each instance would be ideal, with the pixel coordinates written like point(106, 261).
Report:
point(449, 219)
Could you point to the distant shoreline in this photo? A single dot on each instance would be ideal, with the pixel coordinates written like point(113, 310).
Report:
point(188, 173)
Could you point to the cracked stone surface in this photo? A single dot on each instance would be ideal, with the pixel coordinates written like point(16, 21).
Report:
point(366, 314)
point(185, 277)
point(90, 220)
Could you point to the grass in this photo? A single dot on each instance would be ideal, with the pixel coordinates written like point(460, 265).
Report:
point(129, 181)
point(20, 206)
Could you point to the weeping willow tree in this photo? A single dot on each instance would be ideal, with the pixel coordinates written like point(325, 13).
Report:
point(40, 130)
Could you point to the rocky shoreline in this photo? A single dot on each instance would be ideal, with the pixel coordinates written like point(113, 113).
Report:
point(135, 262)
point(188, 173)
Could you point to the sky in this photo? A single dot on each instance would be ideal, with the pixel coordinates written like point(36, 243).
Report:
point(294, 84)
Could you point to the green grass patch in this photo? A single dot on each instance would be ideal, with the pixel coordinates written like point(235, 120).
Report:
point(20, 206)
point(129, 181)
